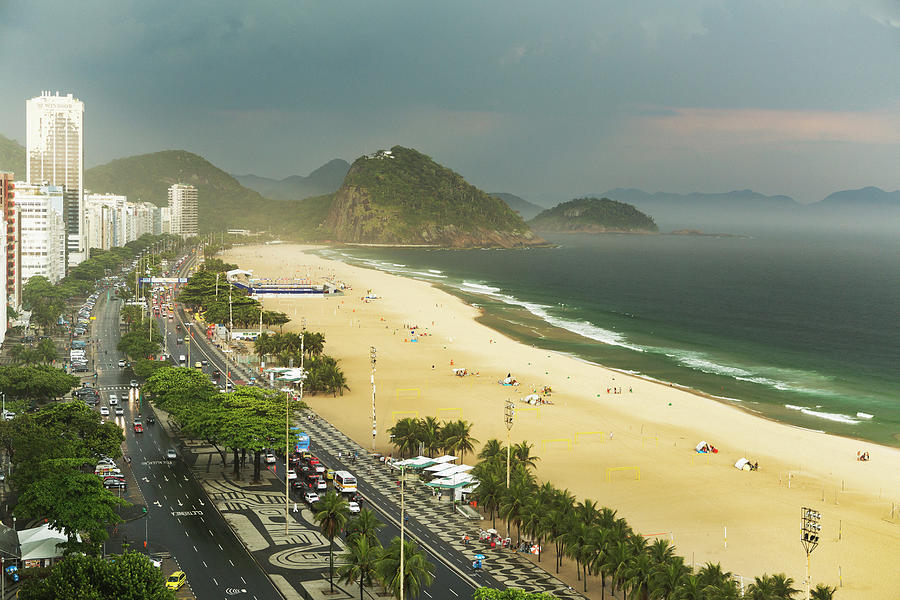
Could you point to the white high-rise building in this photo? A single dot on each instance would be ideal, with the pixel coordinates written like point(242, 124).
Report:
point(55, 156)
point(183, 206)
point(43, 230)
point(165, 220)
point(106, 218)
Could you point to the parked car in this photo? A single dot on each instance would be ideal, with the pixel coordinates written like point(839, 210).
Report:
point(176, 580)
point(121, 363)
point(270, 458)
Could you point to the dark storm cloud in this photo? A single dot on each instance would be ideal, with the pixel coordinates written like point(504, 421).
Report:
point(540, 98)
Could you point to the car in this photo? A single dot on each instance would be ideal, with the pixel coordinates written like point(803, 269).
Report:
point(353, 507)
point(321, 484)
point(176, 580)
point(113, 399)
point(120, 410)
point(121, 363)
point(292, 474)
point(171, 454)
point(138, 427)
point(111, 483)
point(198, 365)
point(179, 341)
point(205, 363)
point(151, 420)
point(298, 485)
point(8, 415)
point(229, 385)
point(134, 383)
point(216, 374)
point(310, 497)
point(112, 476)
point(329, 474)
point(106, 461)
point(270, 458)
point(104, 411)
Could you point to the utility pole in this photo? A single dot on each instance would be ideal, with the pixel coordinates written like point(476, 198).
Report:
point(287, 457)
point(508, 413)
point(402, 528)
point(372, 357)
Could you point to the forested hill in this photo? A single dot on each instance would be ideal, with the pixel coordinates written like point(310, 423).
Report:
point(593, 215)
point(401, 196)
point(12, 157)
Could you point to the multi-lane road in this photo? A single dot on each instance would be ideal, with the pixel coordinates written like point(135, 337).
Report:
point(179, 518)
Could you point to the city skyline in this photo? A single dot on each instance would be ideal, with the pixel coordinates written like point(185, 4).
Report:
point(708, 96)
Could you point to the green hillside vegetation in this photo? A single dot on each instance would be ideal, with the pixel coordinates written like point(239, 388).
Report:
point(12, 157)
point(593, 215)
point(223, 201)
point(401, 196)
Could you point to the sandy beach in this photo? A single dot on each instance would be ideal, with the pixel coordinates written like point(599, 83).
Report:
point(748, 521)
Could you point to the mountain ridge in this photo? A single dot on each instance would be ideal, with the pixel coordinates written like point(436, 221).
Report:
point(323, 180)
point(12, 157)
point(593, 215)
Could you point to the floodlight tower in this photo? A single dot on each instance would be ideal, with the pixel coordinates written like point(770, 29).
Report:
point(373, 358)
point(508, 413)
point(809, 535)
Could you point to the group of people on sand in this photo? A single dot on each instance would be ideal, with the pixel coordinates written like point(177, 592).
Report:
point(862, 455)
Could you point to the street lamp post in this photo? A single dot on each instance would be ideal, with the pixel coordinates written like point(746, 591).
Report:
point(509, 412)
point(373, 358)
point(809, 535)
point(402, 528)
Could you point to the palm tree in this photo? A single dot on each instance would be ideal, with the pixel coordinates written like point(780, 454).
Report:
point(491, 487)
point(727, 590)
point(417, 571)
point(403, 435)
point(600, 542)
point(366, 525)
point(587, 512)
point(429, 432)
point(712, 574)
point(784, 586)
point(492, 448)
point(332, 515)
point(762, 588)
point(691, 588)
point(360, 563)
point(638, 573)
point(457, 436)
point(530, 519)
point(617, 559)
point(667, 578)
point(521, 453)
point(822, 592)
point(661, 551)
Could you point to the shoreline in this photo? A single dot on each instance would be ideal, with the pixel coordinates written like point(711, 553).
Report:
point(689, 498)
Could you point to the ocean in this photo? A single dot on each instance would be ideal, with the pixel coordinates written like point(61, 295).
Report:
point(804, 329)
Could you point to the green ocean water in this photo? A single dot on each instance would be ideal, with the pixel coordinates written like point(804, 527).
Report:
point(804, 329)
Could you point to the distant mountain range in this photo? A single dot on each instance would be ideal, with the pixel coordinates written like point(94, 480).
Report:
point(324, 180)
point(527, 210)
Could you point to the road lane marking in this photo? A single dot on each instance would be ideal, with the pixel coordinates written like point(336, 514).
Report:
point(452, 592)
point(214, 579)
point(204, 564)
point(195, 550)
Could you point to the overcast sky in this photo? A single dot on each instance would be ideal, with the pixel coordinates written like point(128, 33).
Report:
point(547, 100)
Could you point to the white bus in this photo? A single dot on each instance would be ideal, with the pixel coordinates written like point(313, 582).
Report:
point(344, 481)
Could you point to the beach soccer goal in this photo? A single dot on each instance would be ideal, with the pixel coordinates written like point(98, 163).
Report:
point(401, 414)
point(535, 409)
point(556, 442)
point(611, 470)
point(590, 436)
point(408, 393)
point(447, 413)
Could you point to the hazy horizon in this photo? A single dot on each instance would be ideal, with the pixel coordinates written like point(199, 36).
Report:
point(521, 97)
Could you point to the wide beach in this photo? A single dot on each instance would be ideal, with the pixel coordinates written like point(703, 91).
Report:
point(747, 521)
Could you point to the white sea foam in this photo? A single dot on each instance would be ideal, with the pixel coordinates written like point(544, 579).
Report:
point(429, 274)
point(836, 417)
point(863, 415)
point(480, 288)
point(435, 271)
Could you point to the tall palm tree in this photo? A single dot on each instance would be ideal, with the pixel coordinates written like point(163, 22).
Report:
point(403, 436)
point(667, 578)
point(530, 519)
point(784, 586)
point(712, 574)
point(491, 487)
point(762, 588)
point(727, 590)
point(587, 512)
point(360, 563)
point(617, 558)
point(332, 515)
point(691, 588)
point(457, 437)
point(429, 432)
point(637, 574)
point(661, 551)
point(417, 571)
point(492, 448)
point(366, 525)
point(521, 453)
point(822, 592)
point(600, 543)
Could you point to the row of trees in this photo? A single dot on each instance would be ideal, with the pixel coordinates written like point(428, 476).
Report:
point(247, 420)
point(412, 436)
point(602, 544)
point(44, 352)
point(47, 301)
point(209, 294)
point(53, 452)
point(366, 561)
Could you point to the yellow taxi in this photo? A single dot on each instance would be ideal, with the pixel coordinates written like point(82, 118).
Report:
point(176, 580)
point(329, 474)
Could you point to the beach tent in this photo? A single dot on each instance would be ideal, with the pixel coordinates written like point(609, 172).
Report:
point(41, 543)
point(532, 398)
point(742, 464)
point(438, 468)
point(702, 447)
point(445, 458)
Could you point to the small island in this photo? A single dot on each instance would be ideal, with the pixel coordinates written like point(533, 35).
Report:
point(593, 215)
